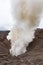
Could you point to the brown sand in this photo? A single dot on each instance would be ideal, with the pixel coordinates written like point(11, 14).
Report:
point(33, 56)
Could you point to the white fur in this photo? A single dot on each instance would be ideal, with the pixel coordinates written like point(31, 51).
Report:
point(23, 31)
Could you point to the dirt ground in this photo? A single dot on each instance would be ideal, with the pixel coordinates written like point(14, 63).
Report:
point(33, 56)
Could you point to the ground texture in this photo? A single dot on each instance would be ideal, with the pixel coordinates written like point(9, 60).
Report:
point(33, 56)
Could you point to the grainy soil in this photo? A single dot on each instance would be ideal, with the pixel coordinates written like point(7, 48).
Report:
point(33, 56)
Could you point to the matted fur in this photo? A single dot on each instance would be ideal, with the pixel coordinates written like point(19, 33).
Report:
point(27, 15)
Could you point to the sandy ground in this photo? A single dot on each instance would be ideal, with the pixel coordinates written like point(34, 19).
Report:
point(33, 56)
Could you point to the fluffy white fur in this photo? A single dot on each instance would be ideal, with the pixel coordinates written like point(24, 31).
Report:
point(27, 15)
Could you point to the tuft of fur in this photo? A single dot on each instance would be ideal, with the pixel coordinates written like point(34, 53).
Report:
point(27, 15)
